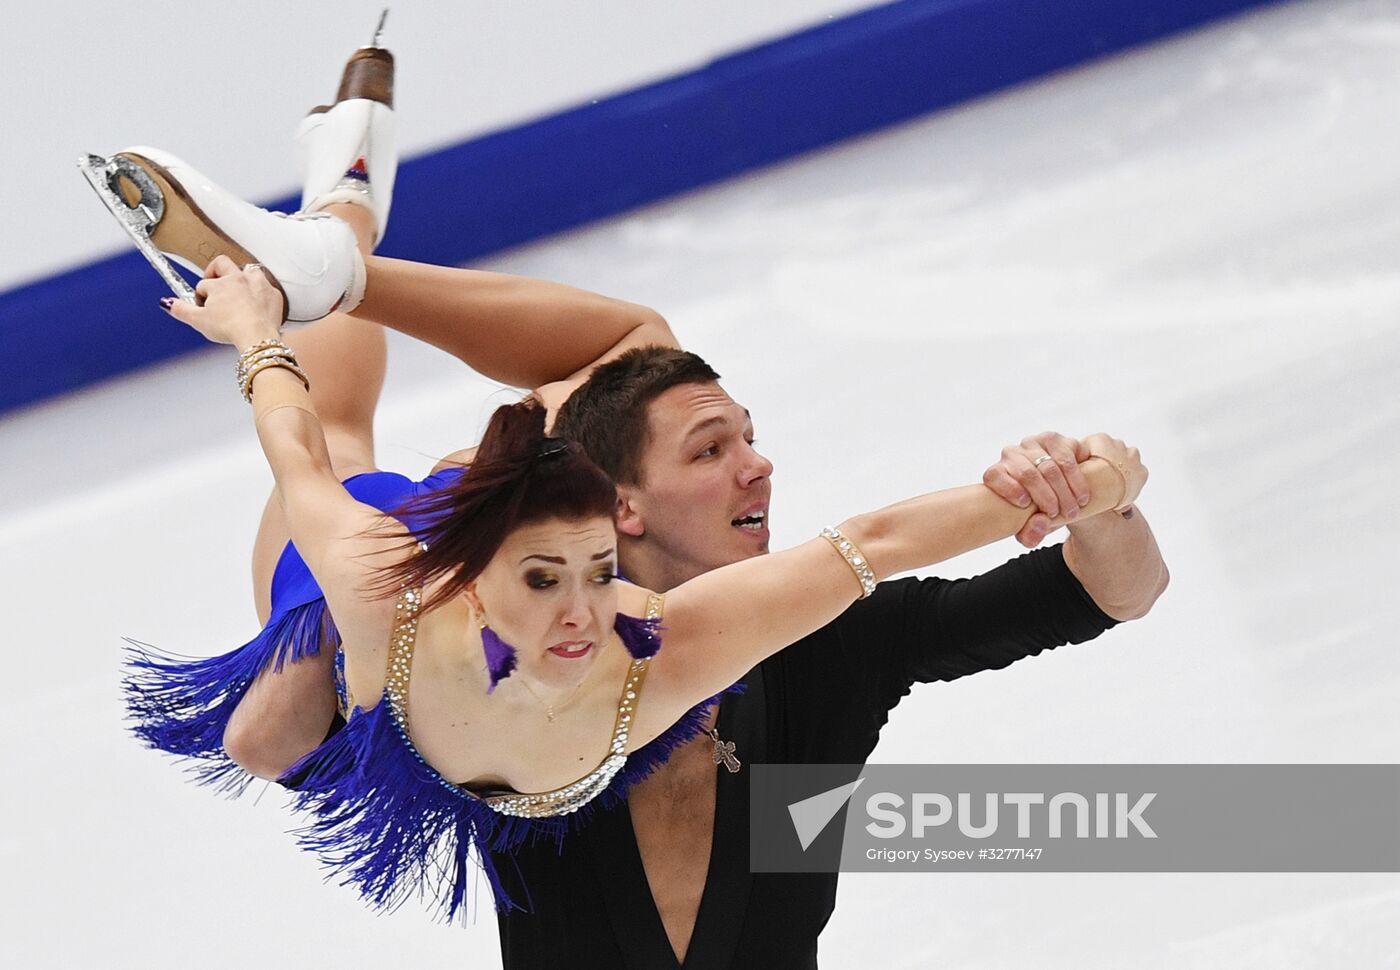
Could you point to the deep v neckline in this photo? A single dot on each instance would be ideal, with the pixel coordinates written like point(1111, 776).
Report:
point(719, 919)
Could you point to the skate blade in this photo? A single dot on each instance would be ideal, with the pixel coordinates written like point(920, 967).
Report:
point(138, 205)
point(163, 220)
point(379, 28)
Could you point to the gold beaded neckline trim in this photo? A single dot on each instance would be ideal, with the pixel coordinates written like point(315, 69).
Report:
point(561, 801)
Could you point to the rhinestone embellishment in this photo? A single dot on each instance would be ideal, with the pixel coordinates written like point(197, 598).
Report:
point(851, 553)
point(567, 800)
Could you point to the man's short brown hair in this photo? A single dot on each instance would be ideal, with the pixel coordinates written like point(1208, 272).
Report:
point(608, 414)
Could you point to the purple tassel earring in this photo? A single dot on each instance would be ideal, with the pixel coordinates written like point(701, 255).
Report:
point(642, 638)
point(500, 656)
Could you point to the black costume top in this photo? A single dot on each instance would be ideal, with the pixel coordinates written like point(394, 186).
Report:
point(822, 700)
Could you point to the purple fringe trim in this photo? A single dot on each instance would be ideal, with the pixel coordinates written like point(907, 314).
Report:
point(390, 825)
point(182, 705)
point(393, 828)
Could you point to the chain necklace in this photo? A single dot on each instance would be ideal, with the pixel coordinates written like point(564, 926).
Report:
point(549, 708)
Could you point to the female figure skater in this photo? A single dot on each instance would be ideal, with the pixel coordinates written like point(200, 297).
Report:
point(497, 677)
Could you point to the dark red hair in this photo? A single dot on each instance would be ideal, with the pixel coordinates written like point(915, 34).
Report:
point(518, 476)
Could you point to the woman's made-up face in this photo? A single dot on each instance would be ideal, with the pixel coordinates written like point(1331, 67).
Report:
point(549, 593)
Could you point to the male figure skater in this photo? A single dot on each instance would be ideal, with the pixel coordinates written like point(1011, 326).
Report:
point(664, 881)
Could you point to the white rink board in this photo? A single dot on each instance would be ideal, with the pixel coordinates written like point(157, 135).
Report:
point(227, 83)
point(1192, 246)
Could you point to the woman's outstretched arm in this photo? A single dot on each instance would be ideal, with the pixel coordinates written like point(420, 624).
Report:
point(722, 623)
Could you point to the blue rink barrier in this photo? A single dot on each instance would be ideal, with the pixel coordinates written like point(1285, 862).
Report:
point(771, 102)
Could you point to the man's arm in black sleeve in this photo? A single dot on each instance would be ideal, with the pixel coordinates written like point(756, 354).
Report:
point(941, 629)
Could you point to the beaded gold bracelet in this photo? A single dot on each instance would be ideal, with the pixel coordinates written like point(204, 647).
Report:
point(262, 355)
point(854, 558)
point(271, 343)
point(246, 384)
point(260, 351)
point(246, 365)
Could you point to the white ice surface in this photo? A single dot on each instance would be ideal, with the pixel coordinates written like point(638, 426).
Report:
point(1193, 246)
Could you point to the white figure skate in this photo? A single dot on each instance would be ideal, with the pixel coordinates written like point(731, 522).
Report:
point(347, 150)
point(172, 212)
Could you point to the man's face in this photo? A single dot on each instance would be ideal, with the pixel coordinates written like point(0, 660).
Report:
point(703, 497)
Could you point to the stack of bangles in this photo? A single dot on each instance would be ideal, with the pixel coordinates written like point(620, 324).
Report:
point(261, 356)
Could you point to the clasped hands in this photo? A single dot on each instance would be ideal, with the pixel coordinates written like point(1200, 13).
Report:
point(1043, 471)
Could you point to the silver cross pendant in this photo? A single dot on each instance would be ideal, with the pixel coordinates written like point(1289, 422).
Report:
point(724, 752)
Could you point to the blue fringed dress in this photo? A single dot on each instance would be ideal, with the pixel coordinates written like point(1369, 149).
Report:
point(380, 815)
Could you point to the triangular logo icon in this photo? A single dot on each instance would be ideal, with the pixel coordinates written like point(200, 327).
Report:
point(811, 815)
